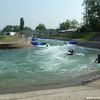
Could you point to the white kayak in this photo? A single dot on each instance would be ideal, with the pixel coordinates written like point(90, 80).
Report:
point(78, 54)
point(45, 45)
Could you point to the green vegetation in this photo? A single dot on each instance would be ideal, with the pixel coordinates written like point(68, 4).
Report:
point(21, 23)
point(69, 24)
point(40, 27)
point(10, 28)
point(90, 25)
point(85, 36)
point(91, 15)
point(9, 38)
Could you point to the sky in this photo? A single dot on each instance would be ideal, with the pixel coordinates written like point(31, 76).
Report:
point(48, 12)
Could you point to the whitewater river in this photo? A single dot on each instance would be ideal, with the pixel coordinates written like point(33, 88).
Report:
point(49, 66)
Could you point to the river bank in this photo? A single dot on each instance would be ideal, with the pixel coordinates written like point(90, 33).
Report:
point(70, 93)
point(22, 43)
point(90, 91)
point(89, 44)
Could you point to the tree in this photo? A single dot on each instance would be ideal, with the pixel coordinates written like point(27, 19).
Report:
point(27, 32)
point(8, 28)
point(69, 24)
point(65, 25)
point(21, 23)
point(40, 27)
point(92, 14)
point(16, 28)
point(74, 24)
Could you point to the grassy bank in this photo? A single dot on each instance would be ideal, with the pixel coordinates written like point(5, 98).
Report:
point(9, 38)
point(84, 36)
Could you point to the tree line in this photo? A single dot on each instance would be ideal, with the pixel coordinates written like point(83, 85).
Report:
point(68, 24)
point(91, 20)
point(16, 28)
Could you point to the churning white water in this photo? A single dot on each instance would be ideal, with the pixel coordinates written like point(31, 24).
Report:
point(46, 66)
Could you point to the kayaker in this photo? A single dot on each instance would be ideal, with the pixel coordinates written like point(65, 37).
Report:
point(98, 59)
point(70, 52)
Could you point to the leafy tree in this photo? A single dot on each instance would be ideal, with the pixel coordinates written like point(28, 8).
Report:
point(27, 31)
point(16, 28)
point(92, 14)
point(74, 24)
point(8, 28)
point(21, 23)
point(40, 27)
point(65, 25)
point(68, 24)
point(27, 28)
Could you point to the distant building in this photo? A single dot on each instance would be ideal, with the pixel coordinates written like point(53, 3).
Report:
point(68, 30)
point(11, 33)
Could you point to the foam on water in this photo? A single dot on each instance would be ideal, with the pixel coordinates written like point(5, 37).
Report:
point(45, 65)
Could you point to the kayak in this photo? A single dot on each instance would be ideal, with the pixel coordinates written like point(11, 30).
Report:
point(78, 54)
point(43, 45)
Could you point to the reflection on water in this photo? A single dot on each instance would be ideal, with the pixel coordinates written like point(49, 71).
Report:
point(49, 65)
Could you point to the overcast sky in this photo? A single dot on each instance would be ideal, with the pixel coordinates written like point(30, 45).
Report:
point(48, 12)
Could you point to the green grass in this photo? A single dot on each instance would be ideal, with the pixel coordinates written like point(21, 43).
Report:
point(8, 38)
point(84, 36)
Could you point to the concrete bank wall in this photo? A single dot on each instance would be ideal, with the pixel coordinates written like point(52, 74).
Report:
point(90, 44)
point(14, 45)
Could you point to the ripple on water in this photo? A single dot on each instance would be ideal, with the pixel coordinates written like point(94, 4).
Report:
point(45, 65)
